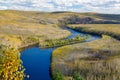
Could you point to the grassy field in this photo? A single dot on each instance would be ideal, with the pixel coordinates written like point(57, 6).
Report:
point(96, 60)
point(44, 24)
point(108, 29)
point(22, 25)
point(18, 28)
point(49, 17)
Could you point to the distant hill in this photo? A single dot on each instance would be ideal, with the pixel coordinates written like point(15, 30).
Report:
point(115, 17)
point(9, 16)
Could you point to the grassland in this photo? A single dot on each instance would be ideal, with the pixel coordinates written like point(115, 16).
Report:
point(96, 60)
point(22, 25)
point(18, 28)
point(107, 29)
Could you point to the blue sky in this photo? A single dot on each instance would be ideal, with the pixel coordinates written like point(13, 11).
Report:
point(100, 6)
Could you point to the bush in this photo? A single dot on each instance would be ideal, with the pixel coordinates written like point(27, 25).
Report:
point(76, 76)
point(58, 76)
point(62, 42)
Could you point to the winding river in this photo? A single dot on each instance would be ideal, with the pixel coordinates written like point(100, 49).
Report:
point(37, 61)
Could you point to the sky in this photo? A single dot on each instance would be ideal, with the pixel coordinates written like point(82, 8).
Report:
point(99, 6)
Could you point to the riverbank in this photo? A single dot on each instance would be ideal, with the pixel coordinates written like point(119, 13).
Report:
point(112, 30)
point(63, 42)
point(23, 29)
point(51, 43)
point(34, 54)
point(92, 60)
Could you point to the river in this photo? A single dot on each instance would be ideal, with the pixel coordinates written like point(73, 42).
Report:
point(37, 61)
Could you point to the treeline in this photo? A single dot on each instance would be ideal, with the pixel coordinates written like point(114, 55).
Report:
point(62, 42)
point(10, 64)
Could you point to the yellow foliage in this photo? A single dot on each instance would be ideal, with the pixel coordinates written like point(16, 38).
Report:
point(11, 63)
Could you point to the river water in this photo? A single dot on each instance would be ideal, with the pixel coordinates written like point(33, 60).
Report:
point(37, 61)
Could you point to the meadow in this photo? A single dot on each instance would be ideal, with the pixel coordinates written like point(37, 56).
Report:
point(99, 29)
point(17, 29)
point(96, 60)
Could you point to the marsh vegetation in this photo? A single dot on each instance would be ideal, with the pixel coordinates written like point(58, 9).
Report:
point(62, 42)
point(98, 59)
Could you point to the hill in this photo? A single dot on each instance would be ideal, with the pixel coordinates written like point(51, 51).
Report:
point(21, 28)
point(51, 17)
point(28, 23)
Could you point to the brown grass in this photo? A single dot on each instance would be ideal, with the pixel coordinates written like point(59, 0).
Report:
point(108, 29)
point(96, 60)
point(27, 24)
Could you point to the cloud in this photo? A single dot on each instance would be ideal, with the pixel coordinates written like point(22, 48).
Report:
point(102, 6)
point(3, 7)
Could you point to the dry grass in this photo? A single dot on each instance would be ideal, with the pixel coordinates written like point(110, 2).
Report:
point(18, 27)
point(27, 24)
point(34, 29)
point(10, 40)
point(108, 29)
point(38, 23)
point(96, 60)
point(47, 17)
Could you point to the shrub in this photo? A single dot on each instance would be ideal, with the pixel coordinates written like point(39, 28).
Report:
point(76, 76)
point(58, 75)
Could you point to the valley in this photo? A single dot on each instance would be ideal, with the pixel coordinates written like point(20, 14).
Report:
point(59, 45)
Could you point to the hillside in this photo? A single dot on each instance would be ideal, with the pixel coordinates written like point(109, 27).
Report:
point(93, 60)
point(18, 27)
point(51, 17)
point(115, 17)
point(22, 27)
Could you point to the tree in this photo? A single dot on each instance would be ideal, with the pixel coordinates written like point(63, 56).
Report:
point(12, 68)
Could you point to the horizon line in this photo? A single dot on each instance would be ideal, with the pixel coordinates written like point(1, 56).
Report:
point(57, 11)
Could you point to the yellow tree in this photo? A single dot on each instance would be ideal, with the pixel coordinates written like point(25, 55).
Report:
point(11, 63)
